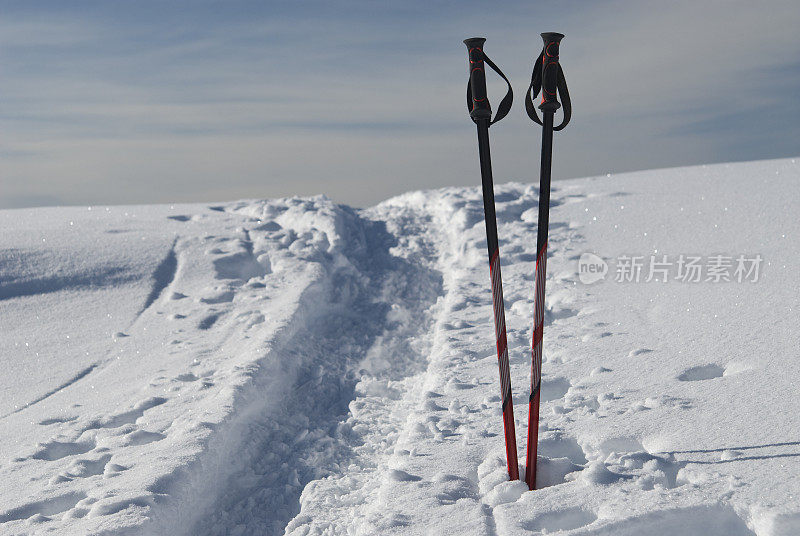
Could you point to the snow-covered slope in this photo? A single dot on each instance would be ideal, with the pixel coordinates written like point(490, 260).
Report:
point(296, 366)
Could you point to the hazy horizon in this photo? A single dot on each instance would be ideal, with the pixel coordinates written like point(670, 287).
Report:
point(208, 101)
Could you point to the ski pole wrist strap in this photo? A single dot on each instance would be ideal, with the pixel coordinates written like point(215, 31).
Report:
point(536, 86)
point(477, 58)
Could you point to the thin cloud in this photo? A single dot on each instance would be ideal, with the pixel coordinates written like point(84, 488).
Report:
point(362, 101)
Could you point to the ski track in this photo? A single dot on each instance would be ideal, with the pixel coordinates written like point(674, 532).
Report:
point(163, 276)
point(79, 376)
point(450, 370)
point(301, 437)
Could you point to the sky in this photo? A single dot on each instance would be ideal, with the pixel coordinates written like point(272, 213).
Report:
point(158, 102)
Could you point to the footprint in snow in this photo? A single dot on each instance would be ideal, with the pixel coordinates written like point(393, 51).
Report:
point(143, 437)
point(451, 488)
point(560, 520)
point(127, 417)
point(55, 450)
point(270, 226)
point(431, 405)
point(555, 444)
point(701, 373)
point(716, 520)
point(594, 336)
point(218, 296)
point(455, 383)
point(402, 476)
point(39, 511)
point(83, 468)
point(554, 313)
point(109, 506)
point(624, 458)
point(661, 401)
point(187, 377)
point(554, 388)
point(208, 321)
point(650, 469)
point(458, 324)
point(554, 471)
point(57, 420)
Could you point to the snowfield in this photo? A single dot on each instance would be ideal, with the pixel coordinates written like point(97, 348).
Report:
point(294, 366)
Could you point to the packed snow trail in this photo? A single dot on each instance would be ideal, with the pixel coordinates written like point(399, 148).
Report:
point(298, 367)
point(364, 319)
point(450, 413)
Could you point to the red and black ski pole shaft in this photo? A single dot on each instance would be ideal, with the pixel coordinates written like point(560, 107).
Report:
point(549, 76)
point(481, 114)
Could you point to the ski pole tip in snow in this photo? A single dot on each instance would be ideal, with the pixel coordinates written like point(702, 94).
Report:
point(549, 78)
point(481, 113)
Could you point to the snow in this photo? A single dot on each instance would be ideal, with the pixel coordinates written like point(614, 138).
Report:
point(294, 366)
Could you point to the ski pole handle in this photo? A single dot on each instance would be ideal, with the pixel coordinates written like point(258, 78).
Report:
point(550, 71)
point(480, 108)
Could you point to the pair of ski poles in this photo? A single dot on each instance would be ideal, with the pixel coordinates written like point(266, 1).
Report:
point(549, 78)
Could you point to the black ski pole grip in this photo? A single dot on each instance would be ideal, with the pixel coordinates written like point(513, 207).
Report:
point(550, 71)
point(479, 107)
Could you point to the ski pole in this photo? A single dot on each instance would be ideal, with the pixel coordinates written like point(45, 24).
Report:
point(547, 75)
point(481, 113)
